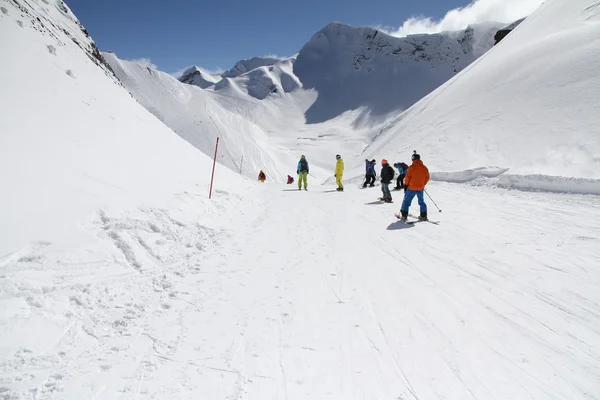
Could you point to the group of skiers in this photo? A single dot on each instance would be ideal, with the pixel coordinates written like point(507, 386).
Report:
point(387, 176)
point(411, 178)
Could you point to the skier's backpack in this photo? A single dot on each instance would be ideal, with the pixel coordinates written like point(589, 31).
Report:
point(303, 166)
point(404, 166)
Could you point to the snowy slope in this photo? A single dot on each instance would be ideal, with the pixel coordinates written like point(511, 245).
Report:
point(529, 105)
point(198, 117)
point(72, 140)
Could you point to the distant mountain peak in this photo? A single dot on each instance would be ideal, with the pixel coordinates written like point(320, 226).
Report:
point(197, 76)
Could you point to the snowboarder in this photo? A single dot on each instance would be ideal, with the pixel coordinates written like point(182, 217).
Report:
point(416, 179)
point(261, 176)
point(302, 172)
point(402, 169)
point(290, 180)
point(387, 175)
point(339, 173)
point(370, 173)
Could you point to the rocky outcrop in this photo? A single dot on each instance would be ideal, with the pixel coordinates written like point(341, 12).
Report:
point(502, 33)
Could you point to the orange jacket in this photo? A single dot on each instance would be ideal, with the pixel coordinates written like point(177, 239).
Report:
point(417, 176)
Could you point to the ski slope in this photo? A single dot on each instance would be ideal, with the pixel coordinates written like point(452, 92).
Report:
point(119, 279)
point(318, 294)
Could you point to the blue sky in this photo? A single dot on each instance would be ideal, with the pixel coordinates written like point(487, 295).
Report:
point(178, 33)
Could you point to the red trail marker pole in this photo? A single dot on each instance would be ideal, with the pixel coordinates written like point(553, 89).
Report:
point(213, 170)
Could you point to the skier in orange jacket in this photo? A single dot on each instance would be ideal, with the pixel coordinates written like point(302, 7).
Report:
point(415, 181)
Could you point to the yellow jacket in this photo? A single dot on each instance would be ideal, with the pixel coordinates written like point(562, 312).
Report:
point(339, 167)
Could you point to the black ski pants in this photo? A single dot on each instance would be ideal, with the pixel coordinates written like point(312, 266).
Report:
point(370, 180)
point(400, 182)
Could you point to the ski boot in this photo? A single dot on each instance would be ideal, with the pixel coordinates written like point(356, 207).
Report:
point(423, 216)
point(404, 216)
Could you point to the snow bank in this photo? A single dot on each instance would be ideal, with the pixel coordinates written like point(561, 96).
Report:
point(530, 104)
point(497, 177)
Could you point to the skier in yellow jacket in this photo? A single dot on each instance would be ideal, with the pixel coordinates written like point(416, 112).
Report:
point(339, 173)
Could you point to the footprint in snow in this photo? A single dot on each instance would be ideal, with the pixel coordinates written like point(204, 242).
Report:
point(4, 10)
point(51, 49)
point(70, 73)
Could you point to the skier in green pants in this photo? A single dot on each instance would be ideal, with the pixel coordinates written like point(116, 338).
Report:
point(302, 172)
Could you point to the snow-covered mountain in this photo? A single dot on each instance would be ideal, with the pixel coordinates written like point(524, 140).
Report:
point(358, 68)
point(354, 68)
point(345, 80)
point(529, 105)
point(198, 77)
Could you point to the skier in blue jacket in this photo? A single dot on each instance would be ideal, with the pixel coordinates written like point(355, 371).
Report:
point(370, 173)
point(402, 170)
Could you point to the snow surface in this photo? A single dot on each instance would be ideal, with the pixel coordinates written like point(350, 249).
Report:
point(119, 279)
point(314, 295)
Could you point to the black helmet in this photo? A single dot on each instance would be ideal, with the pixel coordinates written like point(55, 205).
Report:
point(373, 161)
point(415, 156)
point(338, 156)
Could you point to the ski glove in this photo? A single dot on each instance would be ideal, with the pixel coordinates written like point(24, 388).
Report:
point(297, 172)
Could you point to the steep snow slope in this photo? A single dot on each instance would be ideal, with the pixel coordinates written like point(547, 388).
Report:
point(365, 68)
point(198, 117)
point(72, 140)
point(529, 105)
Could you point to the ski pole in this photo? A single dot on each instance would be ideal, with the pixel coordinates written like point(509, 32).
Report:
point(432, 200)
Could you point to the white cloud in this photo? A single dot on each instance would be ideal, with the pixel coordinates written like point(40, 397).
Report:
point(477, 11)
point(145, 62)
point(274, 56)
point(215, 71)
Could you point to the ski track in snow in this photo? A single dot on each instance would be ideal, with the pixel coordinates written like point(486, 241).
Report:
point(296, 295)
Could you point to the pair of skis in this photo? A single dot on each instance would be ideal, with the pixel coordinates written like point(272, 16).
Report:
point(416, 220)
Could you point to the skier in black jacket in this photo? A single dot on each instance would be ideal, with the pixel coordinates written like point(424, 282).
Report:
point(387, 175)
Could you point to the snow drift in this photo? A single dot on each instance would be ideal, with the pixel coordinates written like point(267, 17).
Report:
point(529, 105)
